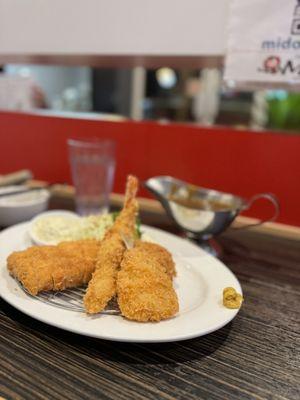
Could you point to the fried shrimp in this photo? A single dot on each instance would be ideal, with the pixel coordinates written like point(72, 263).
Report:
point(102, 286)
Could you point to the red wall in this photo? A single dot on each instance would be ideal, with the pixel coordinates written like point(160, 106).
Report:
point(240, 162)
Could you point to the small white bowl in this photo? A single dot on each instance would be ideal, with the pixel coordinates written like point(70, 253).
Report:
point(31, 231)
point(21, 207)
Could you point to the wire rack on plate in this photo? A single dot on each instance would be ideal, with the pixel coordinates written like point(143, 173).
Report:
point(70, 299)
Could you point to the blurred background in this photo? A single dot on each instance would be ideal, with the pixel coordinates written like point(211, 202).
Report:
point(152, 78)
point(160, 94)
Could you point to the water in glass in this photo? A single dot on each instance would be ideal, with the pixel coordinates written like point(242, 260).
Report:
point(93, 166)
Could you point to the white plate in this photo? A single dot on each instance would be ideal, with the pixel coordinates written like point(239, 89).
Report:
point(199, 285)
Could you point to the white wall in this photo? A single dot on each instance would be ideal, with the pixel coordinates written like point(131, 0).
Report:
point(113, 27)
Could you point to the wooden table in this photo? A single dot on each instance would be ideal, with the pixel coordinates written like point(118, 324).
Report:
point(254, 357)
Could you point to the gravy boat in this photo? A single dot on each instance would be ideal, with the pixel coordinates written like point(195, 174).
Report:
point(201, 213)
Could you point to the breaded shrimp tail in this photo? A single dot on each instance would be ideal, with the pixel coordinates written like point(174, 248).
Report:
point(102, 286)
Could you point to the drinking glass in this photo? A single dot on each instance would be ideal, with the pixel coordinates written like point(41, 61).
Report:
point(93, 168)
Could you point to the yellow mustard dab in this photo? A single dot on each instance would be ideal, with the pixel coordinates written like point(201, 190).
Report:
point(232, 299)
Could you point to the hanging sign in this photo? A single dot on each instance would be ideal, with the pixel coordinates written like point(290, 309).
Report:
point(263, 42)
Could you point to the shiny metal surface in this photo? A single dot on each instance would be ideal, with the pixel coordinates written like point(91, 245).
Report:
point(204, 222)
point(70, 299)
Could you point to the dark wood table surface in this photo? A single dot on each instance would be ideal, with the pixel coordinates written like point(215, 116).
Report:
point(254, 357)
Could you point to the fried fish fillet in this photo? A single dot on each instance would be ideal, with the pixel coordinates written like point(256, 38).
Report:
point(158, 253)
point(144, 284)
point(69, 264)
point(102, 286)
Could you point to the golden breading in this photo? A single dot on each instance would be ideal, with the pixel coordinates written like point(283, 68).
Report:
point(144, 288)
point(159, 253)
point(66, 265)
point(102, 286)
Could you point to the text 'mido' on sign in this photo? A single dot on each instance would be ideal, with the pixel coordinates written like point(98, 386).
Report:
point(263, 47)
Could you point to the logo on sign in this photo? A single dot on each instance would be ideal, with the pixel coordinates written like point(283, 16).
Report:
point(273, 64)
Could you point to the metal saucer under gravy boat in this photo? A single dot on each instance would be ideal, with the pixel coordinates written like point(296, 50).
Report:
point(201, 213)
